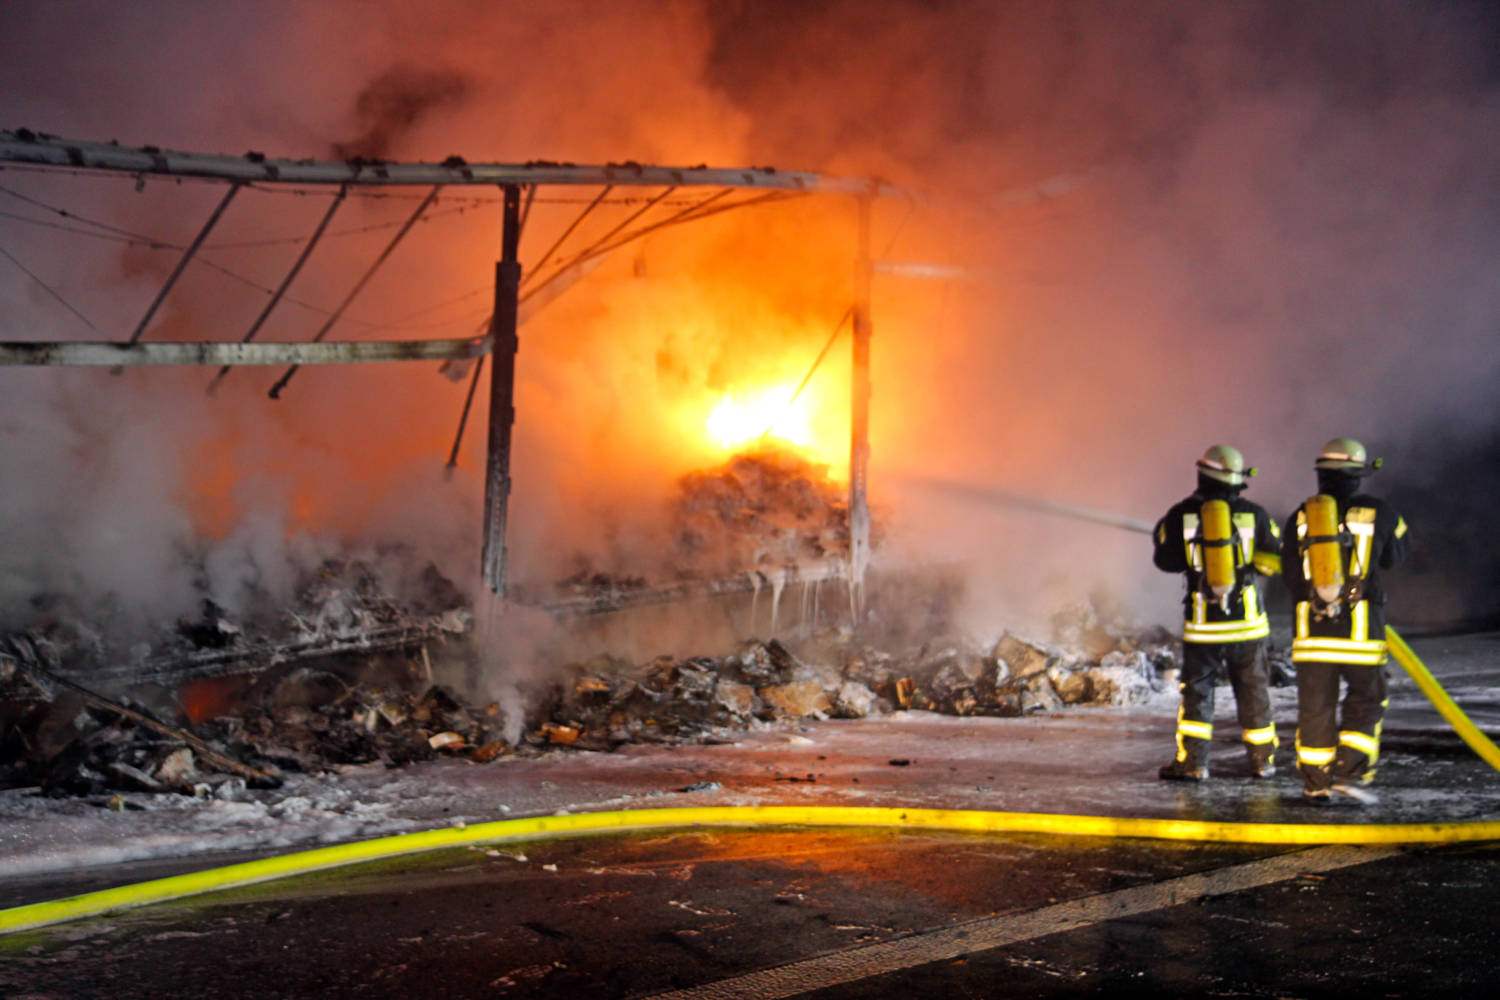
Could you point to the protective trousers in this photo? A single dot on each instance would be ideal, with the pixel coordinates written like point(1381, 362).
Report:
point(1330, 747)
point(1249, 676)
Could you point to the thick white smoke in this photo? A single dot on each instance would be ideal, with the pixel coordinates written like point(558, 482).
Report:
point(1266, 225)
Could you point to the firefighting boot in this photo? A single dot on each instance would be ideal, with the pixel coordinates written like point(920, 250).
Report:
point(1352, 767)
point(1181, 770)
point(1317, 783)
point(1191, 765)
point(1262, 761)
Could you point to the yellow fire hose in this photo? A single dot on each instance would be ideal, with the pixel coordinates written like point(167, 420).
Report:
point(1447, 708)
point(973, 821)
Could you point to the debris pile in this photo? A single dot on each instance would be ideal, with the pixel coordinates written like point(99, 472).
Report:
point(767, 507)
point(341, 607)
point(66, 739)
point(342, 675)
point(605, 703)
point(764, 518)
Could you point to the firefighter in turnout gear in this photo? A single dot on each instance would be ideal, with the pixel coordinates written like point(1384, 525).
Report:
point(1222, 544)
point(1333, 550)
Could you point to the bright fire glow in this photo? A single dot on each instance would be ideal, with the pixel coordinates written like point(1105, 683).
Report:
point(742, 419)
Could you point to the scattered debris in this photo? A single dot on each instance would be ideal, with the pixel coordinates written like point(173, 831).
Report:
point(765, 507)
point(345, 676)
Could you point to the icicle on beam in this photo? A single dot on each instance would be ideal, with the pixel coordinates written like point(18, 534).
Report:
point(502, 393)
point(859, 420)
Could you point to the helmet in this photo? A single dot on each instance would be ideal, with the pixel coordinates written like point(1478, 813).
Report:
point(1345, 455)
point(1224, 464)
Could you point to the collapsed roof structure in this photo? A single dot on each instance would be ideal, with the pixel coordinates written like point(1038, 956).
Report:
point(514, 287)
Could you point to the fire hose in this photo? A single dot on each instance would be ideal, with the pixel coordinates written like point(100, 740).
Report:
point(1426, 683)
point(34, 915)
point(1447, 708)
point(636, 820)
point(90, 904)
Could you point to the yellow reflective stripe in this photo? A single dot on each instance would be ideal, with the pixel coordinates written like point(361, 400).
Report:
point(1257, 628)
point(1275, 529)
point(1200, 608)
point(1197, 730)
point(1338, 651)
point(1361, 561)
point(1400, 526)
point(1161, 533)
point(1268, 563)
point(1189, 532)
point(1367, 745)
point(1244, 525)
point(1348, 659)
point(1361, 616)
point(1316, 756)
point(1303, 610)
point(1337, 643)
point(1260, 737)
point(1323, 644)
point(1361, 524)
point(1189, 729)
point(1252, 603)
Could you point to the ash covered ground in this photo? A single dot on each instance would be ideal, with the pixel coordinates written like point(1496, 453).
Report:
point(376, 700)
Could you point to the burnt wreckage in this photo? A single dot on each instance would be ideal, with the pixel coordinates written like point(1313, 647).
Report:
point(345, 674)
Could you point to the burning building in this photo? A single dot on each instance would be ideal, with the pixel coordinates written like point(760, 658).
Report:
point(1100, 249)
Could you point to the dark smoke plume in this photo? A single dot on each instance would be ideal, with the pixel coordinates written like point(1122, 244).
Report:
point(393, 103)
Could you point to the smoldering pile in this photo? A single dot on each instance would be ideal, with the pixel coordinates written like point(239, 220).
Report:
point(363, 708)
point(765, 515)
point(606, 703)
point(765, 507)
point(66, 740)
point(341, 675)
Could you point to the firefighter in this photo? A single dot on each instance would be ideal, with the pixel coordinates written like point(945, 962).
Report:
point(1333, 550)
point(1222, 544)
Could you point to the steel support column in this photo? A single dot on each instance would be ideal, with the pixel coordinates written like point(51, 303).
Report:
point(859, 418)
point(502, 392)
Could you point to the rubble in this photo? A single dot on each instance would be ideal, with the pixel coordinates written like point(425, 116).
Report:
point(764, 507)
point(342, 608)
point(361, 702)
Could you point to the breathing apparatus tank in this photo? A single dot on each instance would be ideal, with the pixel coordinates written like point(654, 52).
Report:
point(1325, 549)
point(1218, 551)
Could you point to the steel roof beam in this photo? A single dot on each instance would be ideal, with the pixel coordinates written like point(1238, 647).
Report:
point(27, 147)
point(96, 353)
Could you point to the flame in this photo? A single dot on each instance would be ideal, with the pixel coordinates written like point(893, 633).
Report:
point(774, 414)
point(768, 412)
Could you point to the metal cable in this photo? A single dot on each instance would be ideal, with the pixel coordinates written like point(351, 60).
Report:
point(542, 261)
point(49, 289)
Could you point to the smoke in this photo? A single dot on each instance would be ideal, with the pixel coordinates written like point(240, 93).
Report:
point(1265, 225)
point(393, 103)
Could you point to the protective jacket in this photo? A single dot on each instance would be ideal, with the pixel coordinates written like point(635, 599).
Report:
point(1351, 628)
point(1239, 615)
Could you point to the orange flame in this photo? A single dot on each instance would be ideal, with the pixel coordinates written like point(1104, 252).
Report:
point(745, 417)
point(742, 418)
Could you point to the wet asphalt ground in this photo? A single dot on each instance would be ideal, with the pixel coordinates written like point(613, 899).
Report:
point(818, 913)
